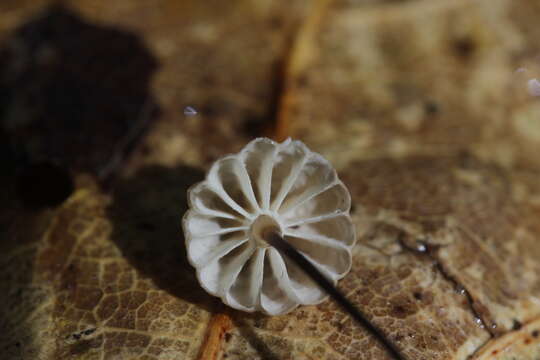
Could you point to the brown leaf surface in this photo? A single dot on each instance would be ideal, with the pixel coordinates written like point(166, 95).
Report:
point(519, 344)
point(103, 285)
point(476, 221)
point(409, 89)
point(394, 93)
point(112, 289)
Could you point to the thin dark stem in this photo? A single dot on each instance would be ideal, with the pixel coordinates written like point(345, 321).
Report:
point(279, 243)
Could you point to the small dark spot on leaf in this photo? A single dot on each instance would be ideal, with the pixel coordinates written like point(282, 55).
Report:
point(80, 347)
point(89, 331)
point(464, 47)
point(399, 309)
point(418, 295)
point(516, 325)
point(431, 107)
point(302, 81)
point(208, 79)
point(80, 334)
point(228, 337)
point(535, 333)
point(276, 22)
point(259, 323)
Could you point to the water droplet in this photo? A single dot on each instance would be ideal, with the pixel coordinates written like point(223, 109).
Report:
point(520, 70)
point(421, 247)
point(460, 290)
point(534, 87)
point(189, 111)
point(479, 322)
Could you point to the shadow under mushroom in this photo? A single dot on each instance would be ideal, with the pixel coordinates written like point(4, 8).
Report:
point(146, 213)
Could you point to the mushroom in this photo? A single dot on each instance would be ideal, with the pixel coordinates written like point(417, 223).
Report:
point(268, 188)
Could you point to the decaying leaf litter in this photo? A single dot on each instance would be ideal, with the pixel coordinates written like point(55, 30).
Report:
point(447, 164)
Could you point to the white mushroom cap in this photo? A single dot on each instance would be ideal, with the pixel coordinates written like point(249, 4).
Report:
point(268, 187)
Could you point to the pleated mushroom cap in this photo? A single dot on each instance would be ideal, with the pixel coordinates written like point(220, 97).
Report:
point(268, 186)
